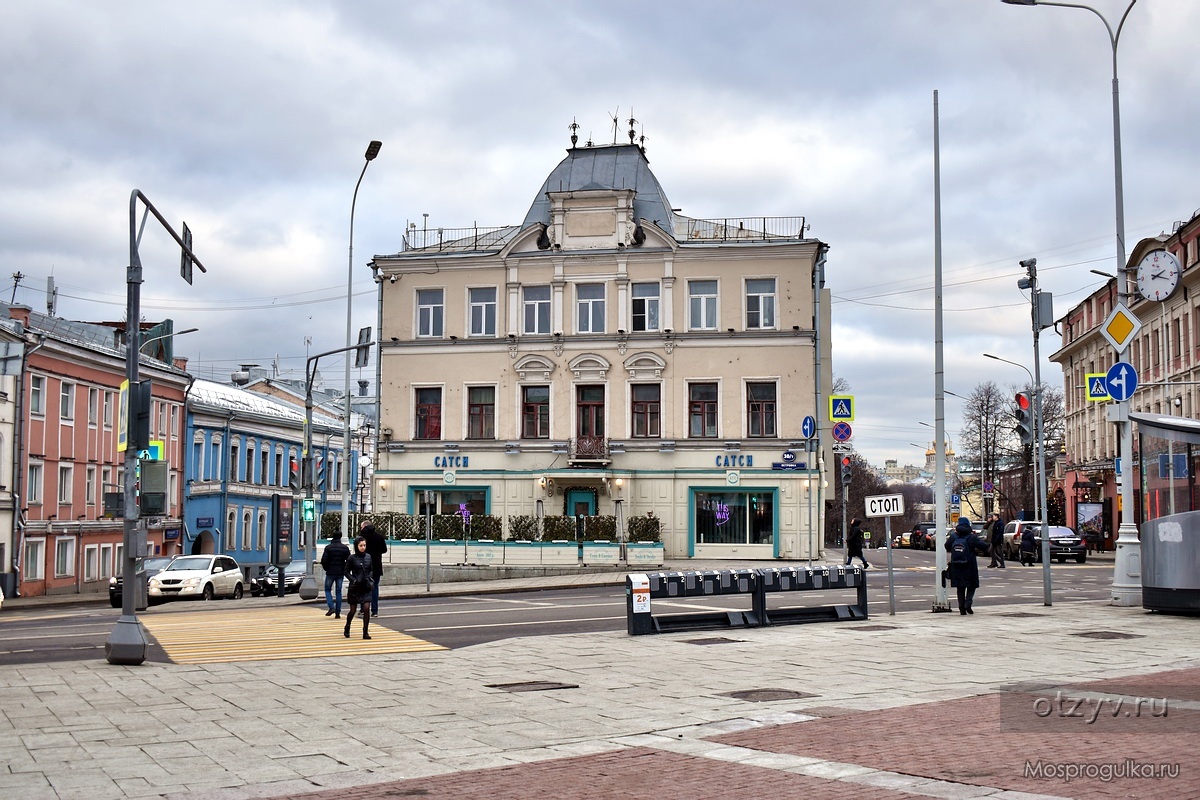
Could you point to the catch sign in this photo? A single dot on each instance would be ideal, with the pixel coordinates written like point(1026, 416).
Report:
point(885, 505)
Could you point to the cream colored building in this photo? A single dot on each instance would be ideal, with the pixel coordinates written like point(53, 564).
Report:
point(609, 356)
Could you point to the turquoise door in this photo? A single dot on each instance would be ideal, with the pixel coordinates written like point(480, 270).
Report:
point(581, 503)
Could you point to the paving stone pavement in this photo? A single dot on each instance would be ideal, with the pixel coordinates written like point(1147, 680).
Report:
point(915, 705)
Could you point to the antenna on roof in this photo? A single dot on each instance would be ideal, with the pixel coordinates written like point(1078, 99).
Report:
point(589, 141)
point(51, 296)
point(615, 125)
point(574, 126)
point(17, 278)
point(632, 122)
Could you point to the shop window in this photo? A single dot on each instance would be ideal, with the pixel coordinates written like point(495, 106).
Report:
point(734, 517)
point(429, 413)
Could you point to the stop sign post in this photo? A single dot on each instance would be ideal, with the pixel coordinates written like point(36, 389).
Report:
point(887, 506)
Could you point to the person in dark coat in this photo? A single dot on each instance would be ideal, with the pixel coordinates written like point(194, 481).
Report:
point(964, 572)
point(376, 547)
point(1028, 546)
point(358, 570)
point(997, 532)
point(333, 562)
point(854, 543)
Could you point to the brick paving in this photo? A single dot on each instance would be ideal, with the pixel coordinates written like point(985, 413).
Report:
point(635, 774)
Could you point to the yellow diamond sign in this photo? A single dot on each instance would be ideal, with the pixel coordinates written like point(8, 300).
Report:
point(1121, 327)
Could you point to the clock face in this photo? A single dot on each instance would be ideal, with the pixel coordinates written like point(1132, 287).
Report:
point(1158, 275)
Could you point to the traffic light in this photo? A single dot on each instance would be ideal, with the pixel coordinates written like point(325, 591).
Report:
point(309, 507)
point(1024, 414)
point(294, 476)
point(846, 472)
point(152, 485)
point(319, 474)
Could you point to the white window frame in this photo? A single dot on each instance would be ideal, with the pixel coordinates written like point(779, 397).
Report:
point(37, 395)
point(64, 545)
point(431, 313)
point(247, 531)
point(89, 485)
point(33, 560)
point(66, 402)
point(34, 487)
point(108, 409)
point(589, 311)
point(651, 305)
point(703, 304)
point(536, 310)
point(91, 563)
point(107, 562)
point(481, 311)
point(231, 530)
point(761, 307)
point(93, 407)
point(261, 539)
point(66, 484)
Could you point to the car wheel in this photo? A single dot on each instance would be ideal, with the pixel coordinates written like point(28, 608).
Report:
point(114, 602)
point(1080, 559)
point(1061, 560)
point(208, 591)
point(237, 592)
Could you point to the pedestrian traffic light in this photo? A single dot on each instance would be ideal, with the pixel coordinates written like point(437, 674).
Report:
point(319, 474)
point(1024, 414)
point(309, 507)
point(846, 472)
point(294, 476)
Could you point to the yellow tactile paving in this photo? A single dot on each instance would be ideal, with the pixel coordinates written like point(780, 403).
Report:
point(266, 634)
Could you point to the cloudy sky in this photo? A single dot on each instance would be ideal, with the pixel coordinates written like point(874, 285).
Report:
point(249, 121)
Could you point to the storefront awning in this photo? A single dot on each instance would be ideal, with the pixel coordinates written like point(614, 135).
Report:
point(1176, 429)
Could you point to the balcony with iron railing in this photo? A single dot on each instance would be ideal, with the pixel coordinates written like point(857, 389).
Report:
point(588, 449)
point(458, 239)
point(742, 229)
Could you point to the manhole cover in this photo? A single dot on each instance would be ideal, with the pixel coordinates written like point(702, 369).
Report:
point(767, 695)
point(1020, 614)
point(531, 686)
point(873, 627)
point(1108, 635)
point(711, 640)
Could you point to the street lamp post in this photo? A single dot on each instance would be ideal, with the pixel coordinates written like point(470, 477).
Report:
point(1039, 458)
point(1127, 582)
point(127, 642)
point(369, 156)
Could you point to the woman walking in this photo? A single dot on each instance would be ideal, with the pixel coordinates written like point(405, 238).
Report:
point(358, 570)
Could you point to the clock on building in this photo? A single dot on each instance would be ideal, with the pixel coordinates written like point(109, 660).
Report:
point(1158, 275)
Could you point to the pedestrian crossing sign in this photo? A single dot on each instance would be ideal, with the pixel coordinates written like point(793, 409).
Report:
point(1097, 387)
point(841, 408)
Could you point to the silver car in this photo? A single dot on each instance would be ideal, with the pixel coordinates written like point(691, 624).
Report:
point(198, 576)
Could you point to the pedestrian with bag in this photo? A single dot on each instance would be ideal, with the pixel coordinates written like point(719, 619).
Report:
point(358, 570)
point(333, 562)
point(997, 530)
point(964, 572)
point(1028, 546)
point(376, 547)
point(854, 543)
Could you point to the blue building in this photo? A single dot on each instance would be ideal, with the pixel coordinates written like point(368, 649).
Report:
point(241, 449)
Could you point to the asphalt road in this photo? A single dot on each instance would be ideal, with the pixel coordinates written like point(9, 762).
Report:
point(78, 632)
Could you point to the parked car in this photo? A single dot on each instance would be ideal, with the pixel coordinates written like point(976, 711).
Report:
point(267, 583)
point(1012, 536)
point(198, 576)
point(1064, 542)
point(151, 566)
point(924, 539)
point(902, 539)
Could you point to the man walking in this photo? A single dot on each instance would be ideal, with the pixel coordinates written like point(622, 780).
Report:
point(333, 562)
point(376, 547)
point(997, 539)
point(854, 543)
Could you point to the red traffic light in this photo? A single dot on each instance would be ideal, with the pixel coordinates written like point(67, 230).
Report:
point(1023, 401)
point(845, 461)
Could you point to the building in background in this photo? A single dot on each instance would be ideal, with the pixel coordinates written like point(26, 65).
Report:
point(610, 356)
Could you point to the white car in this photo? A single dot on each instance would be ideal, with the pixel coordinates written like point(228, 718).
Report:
point(198, 576)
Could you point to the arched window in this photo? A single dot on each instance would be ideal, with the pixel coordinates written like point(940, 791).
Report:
point(261, 544)
point(231, 531)
point(247, 531)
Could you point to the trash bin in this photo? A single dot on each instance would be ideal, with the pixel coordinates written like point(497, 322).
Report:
point(1170, 551)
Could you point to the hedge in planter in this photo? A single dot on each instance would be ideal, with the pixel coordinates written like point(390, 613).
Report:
point(644, 529)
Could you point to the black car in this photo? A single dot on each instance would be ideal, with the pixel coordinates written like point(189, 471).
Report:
point(267, 584)
point(151, 566)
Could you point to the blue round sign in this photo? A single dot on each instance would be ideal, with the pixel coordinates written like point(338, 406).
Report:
point(1122, 381)
point(808, 427)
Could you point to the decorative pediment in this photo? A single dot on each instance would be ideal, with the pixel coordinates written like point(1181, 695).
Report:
point(589, 367)
point(534, 367)
point(646, 364)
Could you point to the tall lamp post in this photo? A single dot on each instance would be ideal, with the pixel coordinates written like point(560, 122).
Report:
point(369, 156)
point(127, 642)
point(1127, 581)
point(1039, 458)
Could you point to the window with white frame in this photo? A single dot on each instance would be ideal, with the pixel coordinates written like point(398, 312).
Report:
point(66, 402)
point(760, 303)
point(482, 302)
point(261, 541)
point(93, 407)
point(106, 561)
point(66, 475)
point(33, 487)
point(430, 310)
point(37, 395)
point(162, 418)
point(231, 531)
point(536, 308)
point(645, 306)
point(174, 422)
point(89, 485)
point(702, 305)
point(760, 409)
point(108, 409)
point(247, 531)
point(64, 556)
point(702, 410)
point(589, 307)
point(91, 562)
point(33, 565)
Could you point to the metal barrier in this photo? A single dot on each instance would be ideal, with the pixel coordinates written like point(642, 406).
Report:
point(642, 588)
